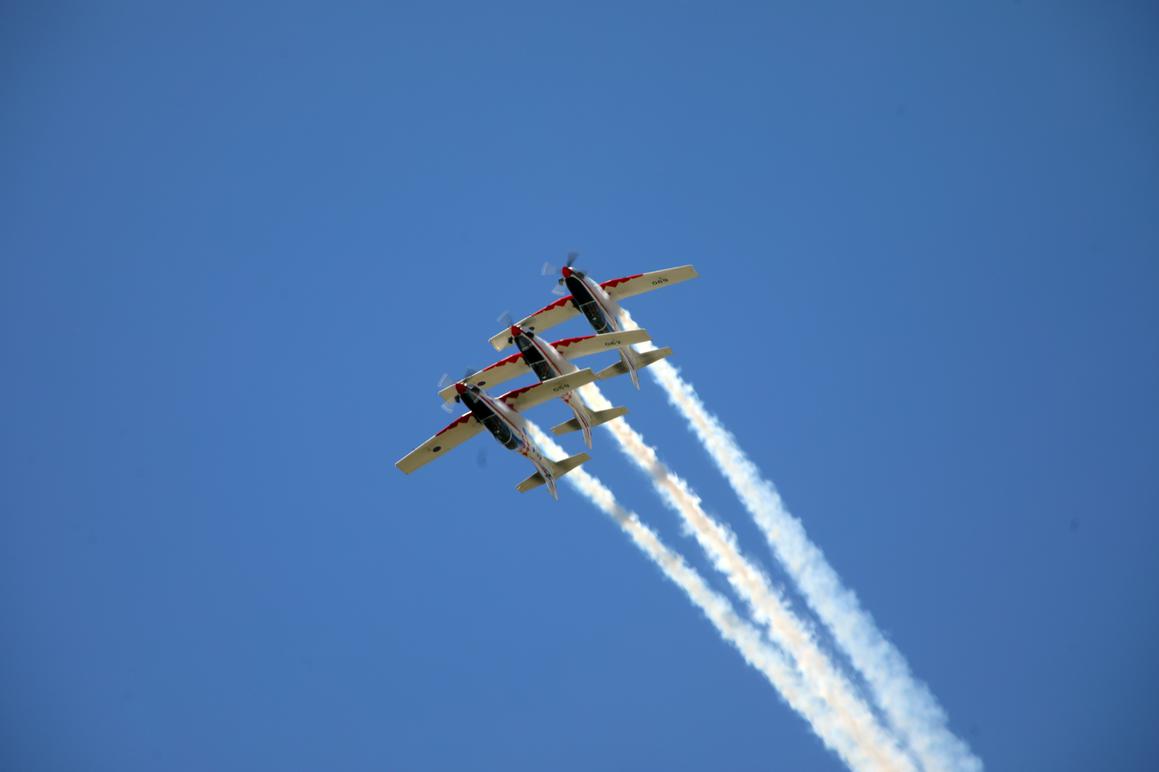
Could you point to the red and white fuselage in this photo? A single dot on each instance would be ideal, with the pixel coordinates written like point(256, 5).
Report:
point(543, 358)
point(508, 427)
point(602, 312)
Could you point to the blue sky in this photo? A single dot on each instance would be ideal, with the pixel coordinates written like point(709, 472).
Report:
point(240, 245)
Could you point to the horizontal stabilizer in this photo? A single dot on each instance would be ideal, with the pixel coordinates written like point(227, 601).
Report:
point(598, 417)
point(643, 359)
point(534, 481)
point(558, 470)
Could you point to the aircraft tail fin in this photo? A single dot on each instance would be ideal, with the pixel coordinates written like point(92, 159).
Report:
point(534, 481)
point(557, 468)
point(641, 359)
point(598, 417)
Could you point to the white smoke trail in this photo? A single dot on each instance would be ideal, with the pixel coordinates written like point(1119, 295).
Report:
point(744, 637)
point(908, 704)
point(766, 605)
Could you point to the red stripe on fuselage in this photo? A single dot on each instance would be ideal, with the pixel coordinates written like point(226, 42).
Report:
point(613, 318)
point(490, 402)
point(542, 347)
point(569, 398)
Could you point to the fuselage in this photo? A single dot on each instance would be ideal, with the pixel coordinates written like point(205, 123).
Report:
point(602, 313)
point(541, 356)
point(496, 418)
point(589, 297)
point(506, 427)
point(548, 363)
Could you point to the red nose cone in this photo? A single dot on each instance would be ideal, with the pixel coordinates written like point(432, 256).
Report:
point(567, 272)
point(460, 388)
point(515, 331)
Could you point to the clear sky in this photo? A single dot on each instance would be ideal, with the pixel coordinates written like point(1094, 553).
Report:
point(240, 243)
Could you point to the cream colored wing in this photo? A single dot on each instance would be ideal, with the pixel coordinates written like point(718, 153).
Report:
point(536, 394)
point(628, 286)
point(492, 375)
point(573, 348)
point(453, 435)
point(548, 316)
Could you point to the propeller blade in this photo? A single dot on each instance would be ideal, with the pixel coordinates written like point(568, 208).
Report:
point(548, 269)
point(444, 379)
point(571, 256)
point(505, 319)
point(559, 291)
point(448, 407)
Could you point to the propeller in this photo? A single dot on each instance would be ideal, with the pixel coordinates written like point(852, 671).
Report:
point(444, 381)
point(571, 256)
point(506, 320)
point(550, 269)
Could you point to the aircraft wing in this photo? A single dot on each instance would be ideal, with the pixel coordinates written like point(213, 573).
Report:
point(548, 316)
point(536, 394)
point(491, 375)
point(594, 344)
point(628, 286)
point(453, 435)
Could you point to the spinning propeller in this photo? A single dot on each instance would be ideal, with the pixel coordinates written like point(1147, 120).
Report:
point(449, 407)
point(549, 269)
point(506, 320)
point(445, 380)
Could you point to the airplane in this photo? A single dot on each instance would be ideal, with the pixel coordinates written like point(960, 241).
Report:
point(551, 360)
point(500, 416)
point(598, 302)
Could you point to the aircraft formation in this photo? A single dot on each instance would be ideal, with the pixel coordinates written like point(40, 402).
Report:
point(580, 294)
